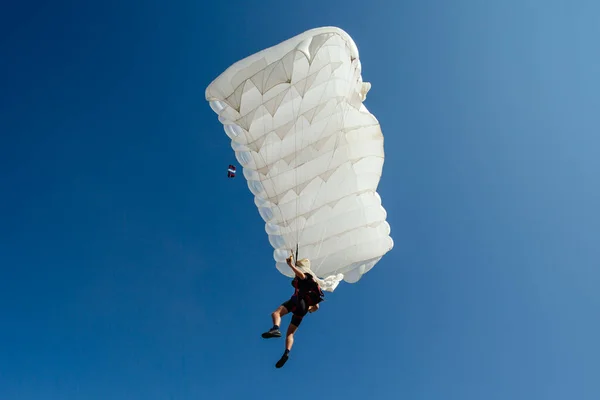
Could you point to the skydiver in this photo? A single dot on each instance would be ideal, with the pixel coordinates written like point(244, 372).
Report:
point(306, 298)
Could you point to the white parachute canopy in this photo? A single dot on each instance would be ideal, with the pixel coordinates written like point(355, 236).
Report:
point(312, 154)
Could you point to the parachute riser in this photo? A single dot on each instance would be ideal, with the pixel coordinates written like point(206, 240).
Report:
point(296, 258)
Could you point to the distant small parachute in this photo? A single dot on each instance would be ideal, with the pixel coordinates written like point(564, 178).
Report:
point(311, 152)
point(231, 171)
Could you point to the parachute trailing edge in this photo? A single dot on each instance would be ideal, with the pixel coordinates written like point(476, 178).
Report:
point(311, 152)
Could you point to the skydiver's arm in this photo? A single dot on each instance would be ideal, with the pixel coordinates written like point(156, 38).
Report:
point(312, 309)
point(298, 273)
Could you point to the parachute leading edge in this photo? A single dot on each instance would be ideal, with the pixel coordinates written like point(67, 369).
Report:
point(311, 152)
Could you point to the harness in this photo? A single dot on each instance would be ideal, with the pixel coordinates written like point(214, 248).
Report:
point(310, 292)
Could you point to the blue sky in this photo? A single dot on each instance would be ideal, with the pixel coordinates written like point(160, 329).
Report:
point(132, 268)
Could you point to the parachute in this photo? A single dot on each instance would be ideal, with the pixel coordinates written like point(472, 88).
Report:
point(311, 152)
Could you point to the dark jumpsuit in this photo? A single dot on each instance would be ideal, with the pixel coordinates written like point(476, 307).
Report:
point(297, 304)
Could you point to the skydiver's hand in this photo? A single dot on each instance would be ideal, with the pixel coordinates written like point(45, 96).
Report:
point(297, 272)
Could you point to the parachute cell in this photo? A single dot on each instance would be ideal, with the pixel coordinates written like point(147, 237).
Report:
point(311, 152)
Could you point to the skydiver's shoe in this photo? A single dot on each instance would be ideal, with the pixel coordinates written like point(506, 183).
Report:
point(272, 333)
point(282, 360)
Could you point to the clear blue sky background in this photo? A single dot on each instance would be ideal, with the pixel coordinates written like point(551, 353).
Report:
point(128, 260)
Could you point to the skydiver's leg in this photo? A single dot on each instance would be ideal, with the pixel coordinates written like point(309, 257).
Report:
point(289, 342)
point(276, 316)
point(299, 314)
point(289, 336)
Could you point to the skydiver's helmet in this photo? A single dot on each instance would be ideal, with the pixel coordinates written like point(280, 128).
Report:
point(303, 264)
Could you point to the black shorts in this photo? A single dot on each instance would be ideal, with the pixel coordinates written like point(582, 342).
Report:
point(298, 308)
